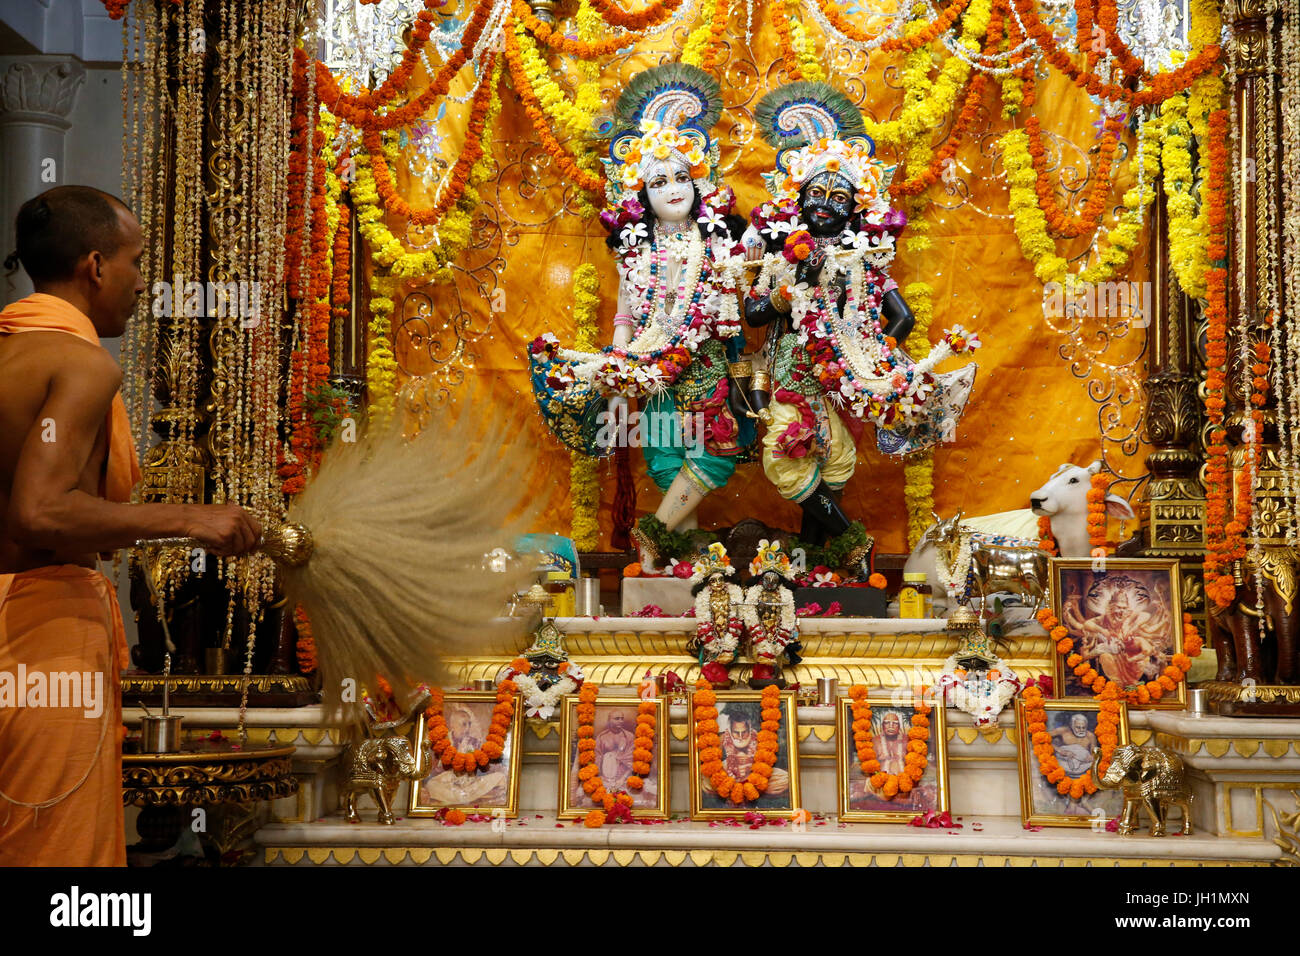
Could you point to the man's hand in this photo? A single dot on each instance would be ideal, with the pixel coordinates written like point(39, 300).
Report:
point(224, 530)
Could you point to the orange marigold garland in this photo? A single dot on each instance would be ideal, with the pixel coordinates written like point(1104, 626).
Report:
point(589, 773)
point(493, 747)
point(708, 745)
point(361, 111)
point(917, 758)
point(457, 178)
point(306, 646)
point(781, 23)
point(1062, 225)
point(1220, 549)
point(1097, 514)
point(1046, 540)
point(653, 14)
point(719, 26)
point(533, 107)
point(1159, 88)
point(1167, 682)
point(1041, 740)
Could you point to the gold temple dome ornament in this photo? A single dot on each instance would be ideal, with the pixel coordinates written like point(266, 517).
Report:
point(963, 618)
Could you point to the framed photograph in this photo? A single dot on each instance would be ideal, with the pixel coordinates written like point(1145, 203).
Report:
point(739, 720)
point(615, 728)
point(891, 718)
point(1072, 725)
point(1125, 616)
point(494, 787)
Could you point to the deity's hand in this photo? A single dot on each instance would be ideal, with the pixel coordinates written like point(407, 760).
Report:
point(810, 270)
point(617, 412)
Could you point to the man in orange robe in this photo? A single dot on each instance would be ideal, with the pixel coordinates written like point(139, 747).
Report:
point(67, 467)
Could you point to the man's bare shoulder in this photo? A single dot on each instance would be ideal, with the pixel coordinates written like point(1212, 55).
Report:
point(32, 359)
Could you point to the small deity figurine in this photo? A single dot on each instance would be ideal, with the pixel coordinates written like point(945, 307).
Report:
point(769, 616)
point(717, 615)
point(678, 325)
point(975, 679)
point(835, 318)
point(543, 673)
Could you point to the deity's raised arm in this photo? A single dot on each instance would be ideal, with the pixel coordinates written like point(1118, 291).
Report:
point(835, 317)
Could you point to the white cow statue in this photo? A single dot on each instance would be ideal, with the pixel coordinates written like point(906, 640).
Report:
point(1064, 499)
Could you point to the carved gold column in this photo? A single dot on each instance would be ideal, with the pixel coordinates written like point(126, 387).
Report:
point(1174, 417)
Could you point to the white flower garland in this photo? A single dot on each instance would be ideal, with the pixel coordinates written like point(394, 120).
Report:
point(704, 630)
point(542, 703)
point(983, 697)
point(763, 643)
point(954, 584)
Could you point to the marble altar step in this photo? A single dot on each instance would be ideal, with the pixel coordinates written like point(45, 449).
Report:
point(540, 840)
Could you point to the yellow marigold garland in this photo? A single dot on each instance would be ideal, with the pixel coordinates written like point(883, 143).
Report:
point(584, 489)
point(918, 470)
point(1036, 243)
point(1188, 224)
point(693, 51)
point(805, 47)
point(927, 103)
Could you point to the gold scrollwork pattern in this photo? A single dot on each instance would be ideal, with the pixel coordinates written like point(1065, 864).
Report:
point(206, 781)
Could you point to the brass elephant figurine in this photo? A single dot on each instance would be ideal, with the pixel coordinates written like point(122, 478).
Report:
point(386, 758)
point(1151, 778)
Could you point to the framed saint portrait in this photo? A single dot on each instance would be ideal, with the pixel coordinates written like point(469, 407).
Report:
point(739, 723)
point(614, 733)
point(861, 801)
point(1072, 726)
point(491, 788)
point(1125, 616)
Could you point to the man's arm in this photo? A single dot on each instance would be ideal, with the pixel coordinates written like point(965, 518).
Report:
point(47, 508)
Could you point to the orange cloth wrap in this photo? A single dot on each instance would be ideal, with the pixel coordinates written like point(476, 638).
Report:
point(65, 619)
point(48, 313)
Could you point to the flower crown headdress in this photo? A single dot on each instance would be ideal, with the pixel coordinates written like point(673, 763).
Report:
point(770, 557)
point(815, 129)
point(663, 116)
point(713, 561)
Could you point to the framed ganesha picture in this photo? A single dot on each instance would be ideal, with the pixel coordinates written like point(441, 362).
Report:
point(615, 745)
point(744, 754)
point(491, 788)
point(1123, 621)
point(891, 758)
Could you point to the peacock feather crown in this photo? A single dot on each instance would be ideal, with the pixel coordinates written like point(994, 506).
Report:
point(816, 129)
point(770, 557)
point(663, 116)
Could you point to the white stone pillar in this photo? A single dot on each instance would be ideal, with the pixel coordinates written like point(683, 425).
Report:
point(36, 96)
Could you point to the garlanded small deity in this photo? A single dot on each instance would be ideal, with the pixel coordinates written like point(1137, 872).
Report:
point(678, 325)
point(834, 316)
point(975, 679)
point(718, 626)
point(769, 616)
point(544, 673)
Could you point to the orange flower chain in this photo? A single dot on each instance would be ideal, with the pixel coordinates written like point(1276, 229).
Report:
point(457, 179)
point(653, 14)
point(708, 744)
point(922, 181)
point(642, 753)
point(719, 26)
point(1157, 90)
point(781, 23)
point(926, 35)
point(1167, 682)
point(1046, 540)
point(1062, 225)
point(503, 712)
point(579, 49)
point(1097, 514)
point(1221, 549)
point(360, 111)
point(533, 107)
point(915, 760)
point(1041, 740)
